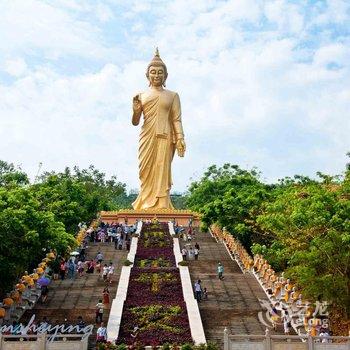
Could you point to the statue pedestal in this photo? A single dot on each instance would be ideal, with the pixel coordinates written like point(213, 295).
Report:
point(130, 216)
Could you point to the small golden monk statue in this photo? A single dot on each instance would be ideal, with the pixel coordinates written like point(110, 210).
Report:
point(161, 134)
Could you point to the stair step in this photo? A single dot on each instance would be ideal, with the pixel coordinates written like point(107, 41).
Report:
point(232, 302)
point(69, 299)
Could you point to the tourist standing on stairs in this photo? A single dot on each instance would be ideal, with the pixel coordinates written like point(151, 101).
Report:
point(191, 254)
point(116, 240)
point(190, 222)
point(71, 269)
point(128, 243)
point(189, 231)
point(105, 271)
point(105, 295)
point(63, 268)
point(184, 253)
point(197, 246)
point(99, 257)
point(101, 335)
point(80, 267)
point(205, 293)
point(110, 272)
point(220, 270)
point(198, 290)
point(99, 311)
point(196, 253)
point(286, 322)
point(275, 319)
point(44, 294)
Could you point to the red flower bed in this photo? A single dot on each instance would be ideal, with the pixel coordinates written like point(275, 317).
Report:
point(155, 253)
point(169, 290)
point(154, 302)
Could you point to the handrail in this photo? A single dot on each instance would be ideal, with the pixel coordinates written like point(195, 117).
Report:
point(280, 336)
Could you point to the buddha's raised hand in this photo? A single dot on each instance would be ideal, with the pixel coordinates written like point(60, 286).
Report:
point(136, 104)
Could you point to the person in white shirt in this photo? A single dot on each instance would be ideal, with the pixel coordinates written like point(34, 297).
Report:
point(184, 253)
point(99, 311)
point(105, 271)
point(110, 272)
point(110, 234)
point(191, 254)
point(286, 322)
point(101, 335)
point(198, 290)
point(196, 253)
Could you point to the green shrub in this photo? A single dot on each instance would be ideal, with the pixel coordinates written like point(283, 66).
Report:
point(212, 346)
point(203, 227)
point(127, 262)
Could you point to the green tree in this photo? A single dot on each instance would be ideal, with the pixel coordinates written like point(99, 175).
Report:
point(11, 175)
point(231, 197)
point(78, 195)
point(37, 217)
point(309, 223)
point(26, 232)
point(301, 225)
point(178, 200)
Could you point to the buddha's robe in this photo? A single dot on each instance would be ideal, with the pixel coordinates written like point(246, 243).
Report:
point(161, 129)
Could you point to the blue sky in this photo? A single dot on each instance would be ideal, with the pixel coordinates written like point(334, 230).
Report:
point(262, 83)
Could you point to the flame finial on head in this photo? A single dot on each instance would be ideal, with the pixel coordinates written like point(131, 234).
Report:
point(156, 60)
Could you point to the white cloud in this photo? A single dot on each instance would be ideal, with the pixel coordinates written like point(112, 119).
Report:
point(104, 13)
point(258, 86)
point(16, 67)
point(286, 16)
point(337, 11)
point(62, 120)
point(32, 25)
point(333, 53)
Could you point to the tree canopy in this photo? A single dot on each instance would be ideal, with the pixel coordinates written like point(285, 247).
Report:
point(300, 225)
point(45, 215)
point(231, 197)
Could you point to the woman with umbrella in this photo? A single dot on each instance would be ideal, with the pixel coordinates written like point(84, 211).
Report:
point(44, 294)
point(43, 282)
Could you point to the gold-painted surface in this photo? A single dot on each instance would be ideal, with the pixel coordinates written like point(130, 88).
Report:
point(161, 134)
point(149, 211)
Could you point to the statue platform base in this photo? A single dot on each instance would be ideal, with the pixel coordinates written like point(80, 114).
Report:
point(130, 216)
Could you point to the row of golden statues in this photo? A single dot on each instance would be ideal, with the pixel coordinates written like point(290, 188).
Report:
point(281, 289)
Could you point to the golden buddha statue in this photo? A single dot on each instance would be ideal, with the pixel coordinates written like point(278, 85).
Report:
point(161, 134)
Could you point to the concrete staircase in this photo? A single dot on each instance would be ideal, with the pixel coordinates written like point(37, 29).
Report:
point(69, 299)
point(232, 302)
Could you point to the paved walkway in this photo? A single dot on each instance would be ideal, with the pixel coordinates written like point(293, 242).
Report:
point(72, 298)
point(232, 302)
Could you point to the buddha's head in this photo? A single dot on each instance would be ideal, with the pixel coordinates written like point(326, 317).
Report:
point(156, 71)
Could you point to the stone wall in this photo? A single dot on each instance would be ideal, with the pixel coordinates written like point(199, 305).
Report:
point(40, 343)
